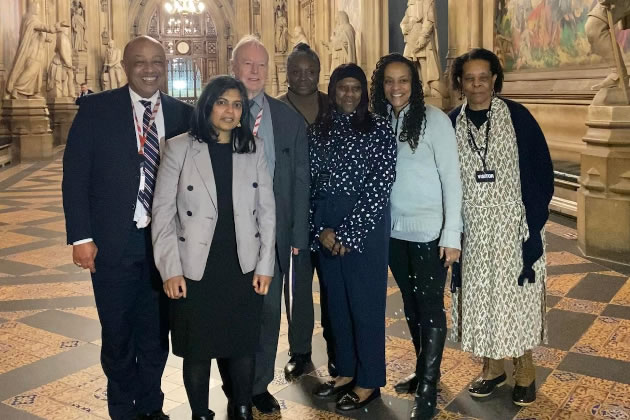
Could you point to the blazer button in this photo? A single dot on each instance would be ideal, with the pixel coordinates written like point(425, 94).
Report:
point(257, 235)
point(189, 213)
point(255, 185)
point(190, 188)
point(181, 238)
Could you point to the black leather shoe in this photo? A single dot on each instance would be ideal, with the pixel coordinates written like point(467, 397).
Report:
point(350, 401)
point(484, 387)
point(524, 395)
point(243, 412)
point(156, 415)
point(407, 385)
point(297, 365)
point(209, 416)
point(265, 403)
point(328, 389)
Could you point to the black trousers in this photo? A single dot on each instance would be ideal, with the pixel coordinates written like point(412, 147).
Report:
point(301, 319)
point(421, 276)
point(134, 328)
point(237, 375)
point(357, 289)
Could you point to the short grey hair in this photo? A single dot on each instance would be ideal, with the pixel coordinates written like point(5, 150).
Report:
point(247, 40)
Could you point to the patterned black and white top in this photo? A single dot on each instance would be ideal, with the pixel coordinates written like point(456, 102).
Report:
point(359, 164)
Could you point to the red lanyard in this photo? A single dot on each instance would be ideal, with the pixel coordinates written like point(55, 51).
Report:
point(141, 135)
point(258, 119)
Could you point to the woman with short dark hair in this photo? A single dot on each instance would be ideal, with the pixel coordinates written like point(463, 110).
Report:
point(353, 158)
point(426, 207)
point(507, 180)
point(213, 234)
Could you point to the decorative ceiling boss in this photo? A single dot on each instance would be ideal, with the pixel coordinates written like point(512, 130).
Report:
point(184, 6)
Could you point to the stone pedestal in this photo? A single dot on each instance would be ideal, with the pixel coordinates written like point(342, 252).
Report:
point(604, 193)
point(29, 125)
point(62, 112)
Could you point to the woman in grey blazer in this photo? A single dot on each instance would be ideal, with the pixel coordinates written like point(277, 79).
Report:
point(214, 238)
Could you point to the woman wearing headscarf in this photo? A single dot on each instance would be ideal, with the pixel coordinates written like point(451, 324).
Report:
point(353, 158)
point(507, 180)
point(426, 206)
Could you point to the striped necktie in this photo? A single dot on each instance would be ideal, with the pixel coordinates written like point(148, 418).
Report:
point(151, 157)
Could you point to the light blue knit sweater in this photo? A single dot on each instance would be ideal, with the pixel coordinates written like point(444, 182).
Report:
point(426, 199)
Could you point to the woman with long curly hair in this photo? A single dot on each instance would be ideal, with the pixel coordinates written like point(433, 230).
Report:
point(426, 219)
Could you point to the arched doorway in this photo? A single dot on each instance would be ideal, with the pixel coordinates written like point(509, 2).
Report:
point(190, 41)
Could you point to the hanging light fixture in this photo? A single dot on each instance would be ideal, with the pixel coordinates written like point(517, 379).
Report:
point(184, 6)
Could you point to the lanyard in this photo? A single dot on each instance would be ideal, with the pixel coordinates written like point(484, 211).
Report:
point(482, 151)
point(258, 119)
point(141, 133)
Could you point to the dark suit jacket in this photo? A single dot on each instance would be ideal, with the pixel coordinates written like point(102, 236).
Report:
point(291, 182)
point(101, 169)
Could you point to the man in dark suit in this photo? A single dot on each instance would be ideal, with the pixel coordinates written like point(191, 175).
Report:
point(110, 163)
point(283, 133)
point(85, 91)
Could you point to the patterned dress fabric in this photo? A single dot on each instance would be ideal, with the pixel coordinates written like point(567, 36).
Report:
point(359, 164)
point(493, 316)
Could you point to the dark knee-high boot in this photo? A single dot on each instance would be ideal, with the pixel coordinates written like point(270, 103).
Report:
point(432, 341)
point(409, 383)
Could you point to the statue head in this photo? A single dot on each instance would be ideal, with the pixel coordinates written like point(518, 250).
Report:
point(34, 7)
point(342, 18)
point(298, 30)
point(110, 44)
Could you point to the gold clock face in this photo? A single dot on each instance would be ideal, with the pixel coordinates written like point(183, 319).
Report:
point(183, 48)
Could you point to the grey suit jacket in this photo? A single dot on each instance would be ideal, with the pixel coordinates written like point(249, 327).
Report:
point(291, 180)
point(184, 213)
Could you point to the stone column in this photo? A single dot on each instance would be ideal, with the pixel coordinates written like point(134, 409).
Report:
point(604, 194)
point(62, 112)
point(374, 33)
point(476, 23)
point(29, 125)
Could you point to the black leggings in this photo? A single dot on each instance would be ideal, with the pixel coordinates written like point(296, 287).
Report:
point(420, 275)
point(237, 375)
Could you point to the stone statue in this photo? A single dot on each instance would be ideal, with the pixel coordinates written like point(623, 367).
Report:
point(60, 71)
point(282, 31)
point(25, 77)
point(299, 37)
point(112, 68)
point(421, 44)
point(79, 42)
point(342, 47)
point(597, 32)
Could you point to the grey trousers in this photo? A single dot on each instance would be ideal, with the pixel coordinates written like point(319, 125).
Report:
point(301, 320)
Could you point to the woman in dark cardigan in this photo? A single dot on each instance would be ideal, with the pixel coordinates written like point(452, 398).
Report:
point(507, 180)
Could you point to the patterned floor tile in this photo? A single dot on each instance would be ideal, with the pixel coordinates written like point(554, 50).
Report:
point(46, 290)
point(15, 315)
point(561, 284)
point(580, 305)
point(49, 257)
point(86, 311)
point(564, 258)
point(548, 357)
point(11, 239)
point(561, 230)
point(25, 216)
point(607, 337)
point(623, 295)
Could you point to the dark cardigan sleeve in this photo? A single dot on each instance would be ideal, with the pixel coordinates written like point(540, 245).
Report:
point(536, 183)
point(536, 172)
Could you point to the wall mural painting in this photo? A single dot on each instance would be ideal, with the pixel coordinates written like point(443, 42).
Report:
point(546, 34)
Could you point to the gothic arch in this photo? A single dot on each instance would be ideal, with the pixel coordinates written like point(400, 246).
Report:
point(222, 12)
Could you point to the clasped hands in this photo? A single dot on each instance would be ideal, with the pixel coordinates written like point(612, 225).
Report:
point(328, 239)
point(175, 287)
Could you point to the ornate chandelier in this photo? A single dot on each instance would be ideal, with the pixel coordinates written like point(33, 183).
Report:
point(184, 6)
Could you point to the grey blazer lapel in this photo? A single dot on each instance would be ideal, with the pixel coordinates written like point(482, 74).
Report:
point(201, 157)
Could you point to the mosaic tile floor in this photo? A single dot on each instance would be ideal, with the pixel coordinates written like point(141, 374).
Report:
point(50, 337)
